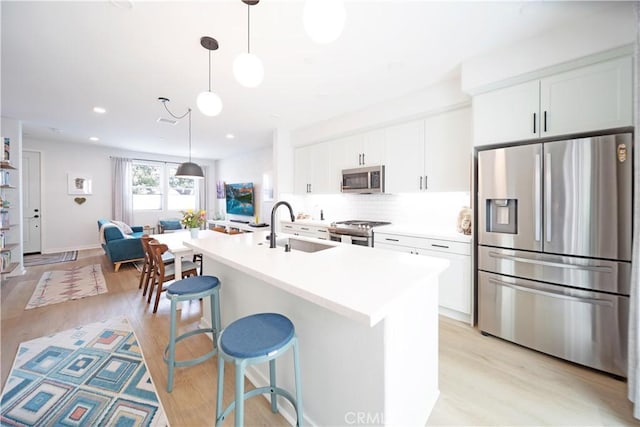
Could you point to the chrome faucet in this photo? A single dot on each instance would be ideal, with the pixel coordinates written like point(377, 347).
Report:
point(272, 235)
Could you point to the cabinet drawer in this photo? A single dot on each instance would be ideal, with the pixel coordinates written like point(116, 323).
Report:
point(440, 245)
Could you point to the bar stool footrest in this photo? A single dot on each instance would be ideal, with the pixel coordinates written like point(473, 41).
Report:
point(256, 391)
point(195, 360)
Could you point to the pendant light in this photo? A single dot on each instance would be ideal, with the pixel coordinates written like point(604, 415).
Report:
point(208, 102)
point(247, 67)
point(324, 19)
point(186, 169)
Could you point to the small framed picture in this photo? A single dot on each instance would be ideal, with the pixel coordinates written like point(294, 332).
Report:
point(78, 183)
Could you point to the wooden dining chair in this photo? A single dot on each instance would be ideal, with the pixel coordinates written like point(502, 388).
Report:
point(162, 273)
point(147, 267)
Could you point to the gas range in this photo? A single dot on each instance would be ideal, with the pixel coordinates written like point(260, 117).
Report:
point(355, 227)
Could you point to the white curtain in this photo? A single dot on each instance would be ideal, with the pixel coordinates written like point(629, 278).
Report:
point(202, 200)
point(634, 310)
point(122, 202)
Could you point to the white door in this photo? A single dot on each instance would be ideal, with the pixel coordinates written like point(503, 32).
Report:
point(31, 202)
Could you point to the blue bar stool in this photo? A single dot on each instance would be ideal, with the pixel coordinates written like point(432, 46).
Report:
point(251, 340)
point(191, 288)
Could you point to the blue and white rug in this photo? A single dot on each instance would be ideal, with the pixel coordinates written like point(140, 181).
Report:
point(94, 375)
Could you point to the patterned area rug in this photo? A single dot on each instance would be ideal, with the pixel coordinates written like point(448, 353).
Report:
point(88, 376)
point(41, 259)
point(63, 285)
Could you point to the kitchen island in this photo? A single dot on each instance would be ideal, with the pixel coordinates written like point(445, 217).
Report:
point(366, 319)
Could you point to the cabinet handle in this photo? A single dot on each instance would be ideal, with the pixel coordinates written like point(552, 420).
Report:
point(420, 182)
point(426, 182)
point(362, 159)
point(545, 121)
point(359, 159)
point(309, 188)
point(36, 216)
point(304, 228)
point(534, 123)
point(391, 240)
point(440, 246)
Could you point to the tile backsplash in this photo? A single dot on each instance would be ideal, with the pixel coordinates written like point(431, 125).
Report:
point(434, 210)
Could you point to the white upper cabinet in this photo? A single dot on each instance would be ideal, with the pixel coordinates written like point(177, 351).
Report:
point(315, 169)
point(433, 154)
point(404, 163)
point(595, 97)
point(591, 98)
point(302, 169)
point(448, 151)
point(364, 149)
point(509, 114)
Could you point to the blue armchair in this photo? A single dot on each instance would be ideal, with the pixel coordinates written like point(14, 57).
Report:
point(120, 247)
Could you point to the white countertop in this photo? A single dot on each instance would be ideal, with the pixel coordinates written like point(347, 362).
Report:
point(357, 282)
point(422, 230)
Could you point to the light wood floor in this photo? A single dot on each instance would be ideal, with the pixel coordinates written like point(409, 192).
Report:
point(483, 380)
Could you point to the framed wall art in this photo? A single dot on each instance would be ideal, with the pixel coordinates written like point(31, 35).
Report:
point(78, 183)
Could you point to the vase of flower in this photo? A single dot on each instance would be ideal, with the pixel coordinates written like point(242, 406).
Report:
point(193, 220)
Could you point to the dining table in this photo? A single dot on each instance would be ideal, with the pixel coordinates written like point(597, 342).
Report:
point(175, 245)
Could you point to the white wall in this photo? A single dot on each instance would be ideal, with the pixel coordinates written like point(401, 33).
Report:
point(614, 28)
point(434, 99)
point(256, 167)
point(67, 225)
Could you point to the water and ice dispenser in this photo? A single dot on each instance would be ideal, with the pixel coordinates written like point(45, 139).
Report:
point(502, 216)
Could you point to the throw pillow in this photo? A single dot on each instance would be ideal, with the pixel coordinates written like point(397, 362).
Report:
point(123, 227)
point(170, 224)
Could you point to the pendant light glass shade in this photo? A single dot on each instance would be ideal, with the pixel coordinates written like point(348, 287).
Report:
point(248, 70)
point(209, 103)
point(189, 170)
point(324, 19)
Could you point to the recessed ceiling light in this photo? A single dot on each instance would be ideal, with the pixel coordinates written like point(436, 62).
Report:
point(99, 110)
point(230, 136)
point(94, 138)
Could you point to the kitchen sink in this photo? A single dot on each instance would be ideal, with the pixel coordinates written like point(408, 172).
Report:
point(307, 246)
point(302, 245)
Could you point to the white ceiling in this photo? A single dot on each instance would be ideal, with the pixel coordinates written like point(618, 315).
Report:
point(60, 59)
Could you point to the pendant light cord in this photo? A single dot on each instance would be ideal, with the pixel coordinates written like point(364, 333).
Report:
point(248, 28)
point(209, 71)
point(188, 113)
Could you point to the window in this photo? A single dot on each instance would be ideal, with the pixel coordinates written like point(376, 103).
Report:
point(182, 191)
point(155, 187)
point(147, 186)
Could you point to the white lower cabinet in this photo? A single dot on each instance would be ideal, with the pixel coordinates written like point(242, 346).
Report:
point(455, 291)
point(305, 230)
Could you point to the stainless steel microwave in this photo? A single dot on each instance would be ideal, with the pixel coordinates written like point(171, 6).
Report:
point(363, 180)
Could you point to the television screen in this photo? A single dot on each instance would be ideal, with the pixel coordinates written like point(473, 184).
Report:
point(239, 198)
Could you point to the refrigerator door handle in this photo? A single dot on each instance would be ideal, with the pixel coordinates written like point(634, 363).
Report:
point(595, 301)
point(538, 200)
point(597, 268)
point(547, 194)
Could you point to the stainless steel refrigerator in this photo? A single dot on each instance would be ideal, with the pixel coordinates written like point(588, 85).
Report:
point(554, 247)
